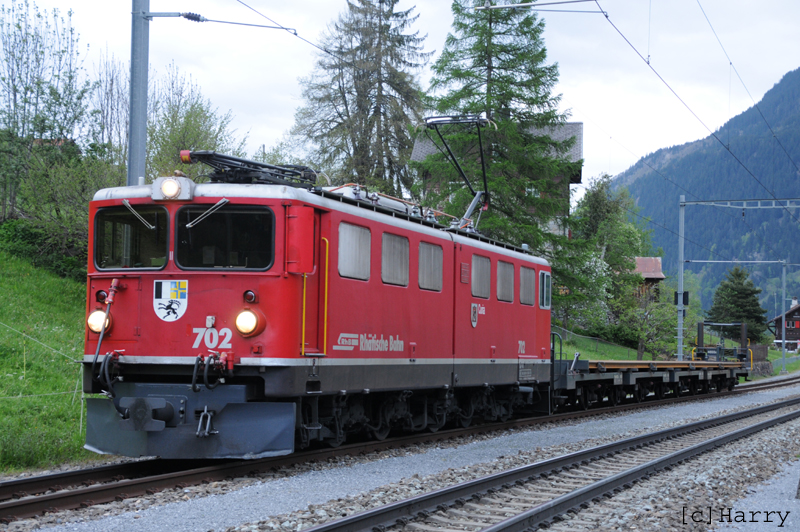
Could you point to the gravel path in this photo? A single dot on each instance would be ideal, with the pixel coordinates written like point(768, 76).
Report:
point(303, 496)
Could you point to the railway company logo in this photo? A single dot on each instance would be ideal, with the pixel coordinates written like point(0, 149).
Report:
point(368, 342)
point(476, 310)
point(347, 342)
point(170, 299)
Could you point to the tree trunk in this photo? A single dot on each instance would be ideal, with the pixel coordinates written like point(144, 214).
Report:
point(640, 349)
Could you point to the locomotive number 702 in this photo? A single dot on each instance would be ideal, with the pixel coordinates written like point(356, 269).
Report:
point(211, 338)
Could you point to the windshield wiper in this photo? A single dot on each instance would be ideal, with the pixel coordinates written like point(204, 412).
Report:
point(139, 216)
point(209, 212)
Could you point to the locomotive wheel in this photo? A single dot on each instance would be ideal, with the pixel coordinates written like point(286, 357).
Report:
point(381, 433)
point(731, 384)
point(464, 422)
point(692, 387)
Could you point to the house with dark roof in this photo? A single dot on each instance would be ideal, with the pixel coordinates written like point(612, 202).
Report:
point(650, 269)
point(792, 317)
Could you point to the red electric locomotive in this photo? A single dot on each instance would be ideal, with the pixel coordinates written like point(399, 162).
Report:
point(255, 314)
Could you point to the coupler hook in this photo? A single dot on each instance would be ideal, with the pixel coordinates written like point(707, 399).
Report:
point(205, 432)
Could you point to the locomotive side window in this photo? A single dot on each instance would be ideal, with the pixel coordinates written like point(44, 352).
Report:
point(121, 240)
point(527, 286)
point(430, 266)
point(481, 276)
point(544, 290)
point(354, 251)
point(235, 237)
point(505, 281)
point(394, 259)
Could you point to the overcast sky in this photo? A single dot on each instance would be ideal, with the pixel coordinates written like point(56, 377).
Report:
point(626, 110)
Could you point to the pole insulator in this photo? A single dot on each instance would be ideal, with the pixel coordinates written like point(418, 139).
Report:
point(194, 17)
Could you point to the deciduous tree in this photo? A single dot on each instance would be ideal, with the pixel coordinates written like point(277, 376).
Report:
point(181, 118)
point(362, 98)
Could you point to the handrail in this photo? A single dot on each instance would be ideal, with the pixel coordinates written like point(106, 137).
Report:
point(325, 315)
point(303, 336)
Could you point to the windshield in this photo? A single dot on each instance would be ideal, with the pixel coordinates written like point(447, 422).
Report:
point(121, 240)
point(236, 237)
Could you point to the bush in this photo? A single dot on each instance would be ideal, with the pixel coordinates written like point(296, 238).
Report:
point(617, 334)
point(23, 239)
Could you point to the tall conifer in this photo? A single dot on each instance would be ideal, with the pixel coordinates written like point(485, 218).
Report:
point(494, 64)
point(736, 300)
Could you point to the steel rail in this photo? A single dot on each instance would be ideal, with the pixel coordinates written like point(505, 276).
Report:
point(155, 475)
point(547, 512)
point(401, 512)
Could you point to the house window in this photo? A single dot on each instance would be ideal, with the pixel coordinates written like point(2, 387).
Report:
point(544, 290)
point(430, 267)
point(394, 259)
point(481, 276)
point(505, 281)
point(527, 286)
point(354, 250)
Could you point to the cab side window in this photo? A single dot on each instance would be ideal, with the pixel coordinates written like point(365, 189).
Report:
point(544, 290)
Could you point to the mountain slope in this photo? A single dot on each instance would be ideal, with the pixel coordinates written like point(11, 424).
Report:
point(706, 170)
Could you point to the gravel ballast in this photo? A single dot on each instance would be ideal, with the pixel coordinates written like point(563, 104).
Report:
point(300, 497)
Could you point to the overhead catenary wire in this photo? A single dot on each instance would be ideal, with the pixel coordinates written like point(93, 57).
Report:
point(536, 6)
point(674, 183)
point(691, 111)
point(648, 220)
point(755, 104)
point(292, 31)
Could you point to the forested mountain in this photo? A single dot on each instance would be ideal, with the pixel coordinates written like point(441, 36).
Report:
point(705, 170)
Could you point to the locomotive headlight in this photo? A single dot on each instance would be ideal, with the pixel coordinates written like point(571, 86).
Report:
point(246, 322)
point(170, 188)
point(95, 321)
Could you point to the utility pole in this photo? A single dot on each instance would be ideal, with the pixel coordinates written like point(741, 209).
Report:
point(783, 316)
point(140, 51)
point(731, 204)
point(681, 215)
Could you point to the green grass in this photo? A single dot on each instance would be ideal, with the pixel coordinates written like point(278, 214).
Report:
point(591, 349)
point(39, 430)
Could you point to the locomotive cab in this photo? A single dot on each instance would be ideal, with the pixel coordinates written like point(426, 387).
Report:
point(199, 288)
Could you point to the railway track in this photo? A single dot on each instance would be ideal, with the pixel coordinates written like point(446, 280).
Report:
point(32, 496)
point(537, 495)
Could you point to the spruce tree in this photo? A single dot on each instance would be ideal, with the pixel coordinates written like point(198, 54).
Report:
point(736, 300)
point(494, 64)
point(363, 96)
